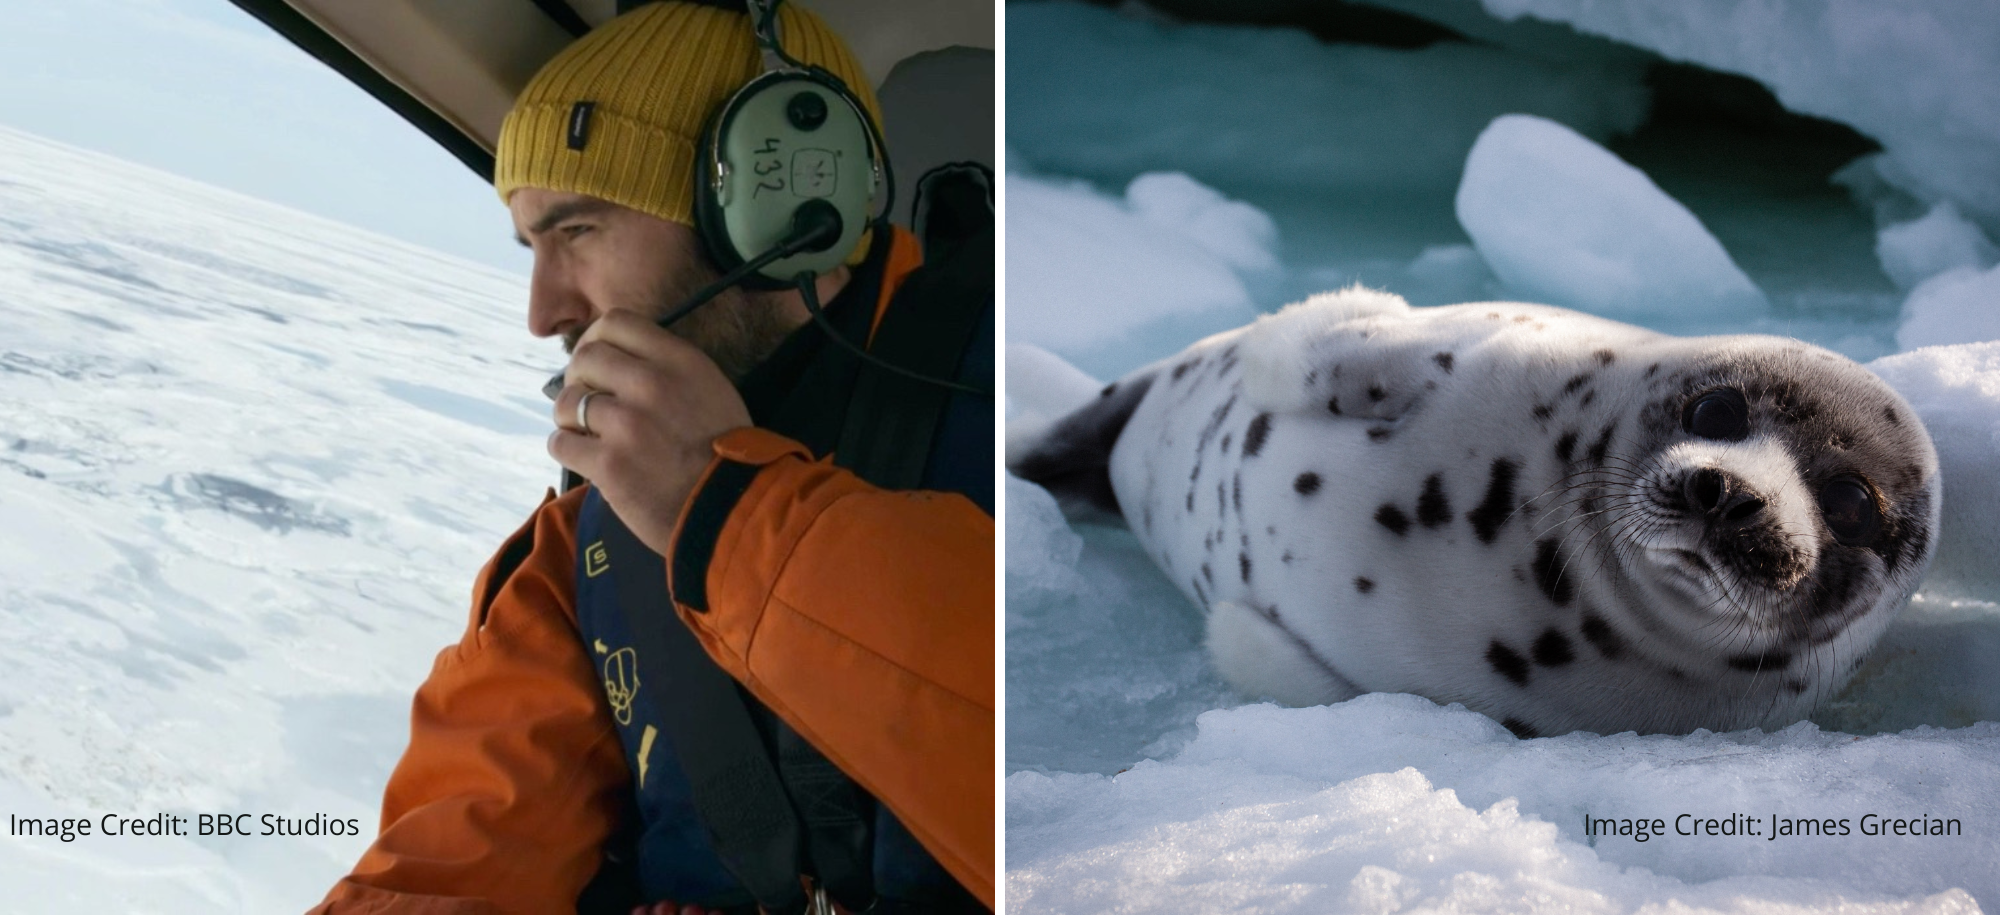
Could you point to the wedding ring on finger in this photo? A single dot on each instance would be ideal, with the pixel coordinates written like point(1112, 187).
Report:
point(583, 412)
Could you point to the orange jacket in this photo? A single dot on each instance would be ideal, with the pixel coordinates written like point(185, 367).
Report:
point(514, 777)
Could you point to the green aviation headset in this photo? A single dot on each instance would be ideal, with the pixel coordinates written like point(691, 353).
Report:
point(791, 153)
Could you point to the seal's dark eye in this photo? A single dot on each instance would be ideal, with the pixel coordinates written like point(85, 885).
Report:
point(1850, 512)
point(1720, 414)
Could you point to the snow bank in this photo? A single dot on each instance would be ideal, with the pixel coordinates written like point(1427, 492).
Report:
point(1914, 251)
point(1390, 803)
point(1041, 550)
point(1040, 382)
point(1916, 76)
point(1958, 306)
point(1170, 260)
point(1563, 221)
point(1956, 389)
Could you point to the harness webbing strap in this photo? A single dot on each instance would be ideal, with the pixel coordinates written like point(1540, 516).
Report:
point(838, 837)
point(738, 794)
point(891, 418)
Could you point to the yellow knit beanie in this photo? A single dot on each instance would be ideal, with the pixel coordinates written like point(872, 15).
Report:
point(652, 76)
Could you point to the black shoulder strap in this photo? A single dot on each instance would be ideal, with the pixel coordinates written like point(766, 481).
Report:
point(738, 792)
point(892, 418)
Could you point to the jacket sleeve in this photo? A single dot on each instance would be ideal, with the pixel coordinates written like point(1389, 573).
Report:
point(861, 616)
point(509, 787)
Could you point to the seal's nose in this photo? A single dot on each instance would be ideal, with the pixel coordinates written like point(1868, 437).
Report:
point(1721, 496)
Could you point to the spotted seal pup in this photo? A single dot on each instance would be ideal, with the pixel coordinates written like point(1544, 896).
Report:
point(1558, 520)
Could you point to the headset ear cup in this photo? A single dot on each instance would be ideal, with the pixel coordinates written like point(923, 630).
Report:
point(785, 138)
point(709, 223)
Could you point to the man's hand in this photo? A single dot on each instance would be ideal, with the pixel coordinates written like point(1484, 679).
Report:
point(659, 405)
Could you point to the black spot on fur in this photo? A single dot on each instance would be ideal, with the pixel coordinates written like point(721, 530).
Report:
point(1521, 729)
point(1253, 437)
point(1391, 517)
point(1499, 502)
point(1602, 637)
point(1752, 663)
point(1549, 572)
point(1198, 592)
point(1571, 386)
point(1542, 411)
point(1333, 405)
point(1603, 444)
point(1552, 649)
point(1287, 558)
point(1604, 356)
point(1182, 369)
point(1795, 687)
point(1214, 425)
point(1507, 664)
point(1444, 361)
point(1433, 510)
point(1566, 446)
point(1306, 484)
point(1794, 405)
point(1652, 370)
point(1236, 492)
point(1227, 437)
point(1588, 396)
point(1363, 585)
point(1380, 434)
point(1889, 413)
point(1208, 573)
point(1376, 394)
point(1190, 499)
point(1109, 389)
point(1243, 562)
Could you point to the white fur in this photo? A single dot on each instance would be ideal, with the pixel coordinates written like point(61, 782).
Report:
point(1280, 349)
point(1260, 659)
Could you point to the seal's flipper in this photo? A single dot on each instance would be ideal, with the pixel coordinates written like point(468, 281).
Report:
point(1072, 457)
point(1259, 656)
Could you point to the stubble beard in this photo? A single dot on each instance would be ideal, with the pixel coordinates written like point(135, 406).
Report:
point(738, 329)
